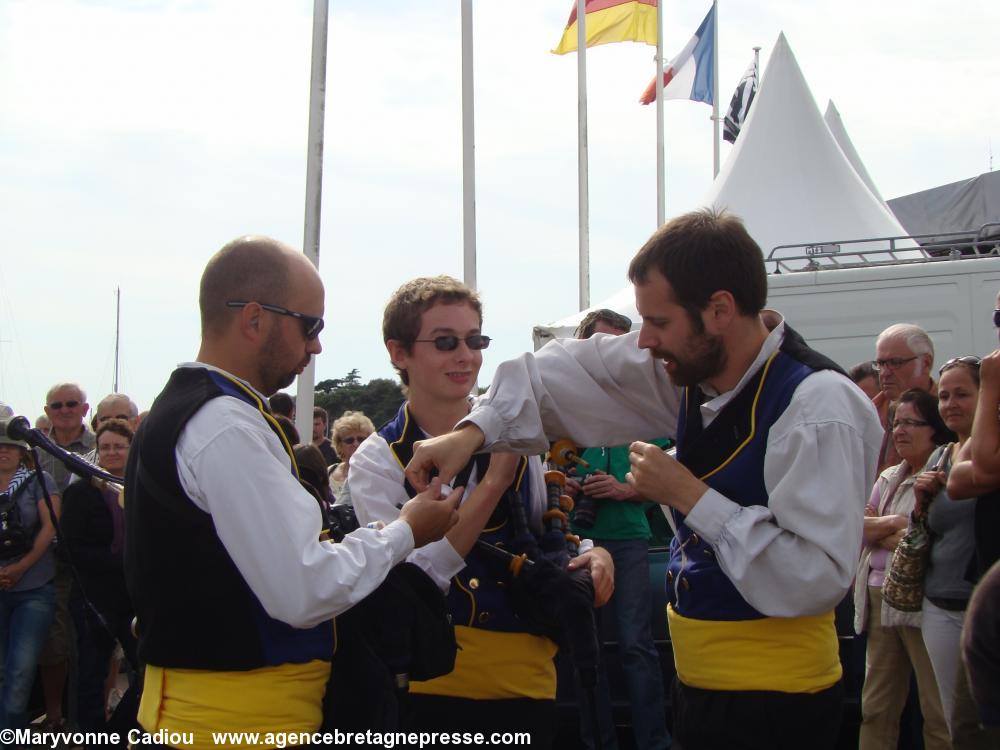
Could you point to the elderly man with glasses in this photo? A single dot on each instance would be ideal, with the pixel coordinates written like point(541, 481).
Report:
point(66, 407)
point(904, 356)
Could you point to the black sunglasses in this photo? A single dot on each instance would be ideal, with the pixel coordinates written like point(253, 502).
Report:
point(351, 440)
point(57, 405)
point(970, 360)
point(310, 323)
point(996, 318)
point(476, 342)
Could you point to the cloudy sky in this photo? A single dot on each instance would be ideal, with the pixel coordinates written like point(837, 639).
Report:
point(136, 138)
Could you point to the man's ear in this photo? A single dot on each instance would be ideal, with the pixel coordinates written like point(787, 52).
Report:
point(719, 312)
point(249, 320)
point(397, 353)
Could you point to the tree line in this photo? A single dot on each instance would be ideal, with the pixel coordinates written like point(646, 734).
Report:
point(379, 398)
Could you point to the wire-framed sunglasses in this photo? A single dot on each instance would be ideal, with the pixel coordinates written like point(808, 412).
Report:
point(476, 342)
point(970, 360)
point(310, 323)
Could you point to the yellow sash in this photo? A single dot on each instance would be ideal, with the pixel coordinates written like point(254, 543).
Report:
point(287, 698)
point(786, 654)
point(492, 665)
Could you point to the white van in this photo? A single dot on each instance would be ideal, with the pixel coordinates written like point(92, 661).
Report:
point(841, 308)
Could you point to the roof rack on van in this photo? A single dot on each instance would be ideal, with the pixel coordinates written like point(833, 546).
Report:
point(883, 251)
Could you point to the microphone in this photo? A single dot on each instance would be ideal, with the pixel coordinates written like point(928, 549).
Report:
point(19, 428)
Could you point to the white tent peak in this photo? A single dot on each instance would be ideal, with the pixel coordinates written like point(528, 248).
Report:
point(836, 124)
point(787, 178)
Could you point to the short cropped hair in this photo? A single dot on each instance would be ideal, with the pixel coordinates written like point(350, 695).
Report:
point(60, 386)
point(133, 410)
point(350, 421)
point(405, 309)
point(701, 253)
point(916, 337)
point(248, 268)
point(862, 371)
point(609, 317)
point(281, 403)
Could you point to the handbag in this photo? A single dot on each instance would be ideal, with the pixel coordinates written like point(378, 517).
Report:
point(903, 588)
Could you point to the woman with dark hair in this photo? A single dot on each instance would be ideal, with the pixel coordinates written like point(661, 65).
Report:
point(93, 526)
point(952, 567)
point(896, 651)
point(27, 567)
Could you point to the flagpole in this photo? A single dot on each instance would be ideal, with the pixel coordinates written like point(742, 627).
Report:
point(314, 193)
point(581, 117)
point(715, 91)
point(660, 158)
point(468, 150)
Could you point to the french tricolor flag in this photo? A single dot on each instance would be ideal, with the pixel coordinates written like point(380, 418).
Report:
point(689, 74)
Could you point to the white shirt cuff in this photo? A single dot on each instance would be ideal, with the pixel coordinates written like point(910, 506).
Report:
point(710, 515)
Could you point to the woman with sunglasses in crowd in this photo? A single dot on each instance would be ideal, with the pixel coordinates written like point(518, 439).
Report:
point(93, 526)
point(348, 432)
point(27, 567)
point(951, 570)
point(896, 651)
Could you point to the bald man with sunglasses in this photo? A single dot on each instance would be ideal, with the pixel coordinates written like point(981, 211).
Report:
point(233, 591)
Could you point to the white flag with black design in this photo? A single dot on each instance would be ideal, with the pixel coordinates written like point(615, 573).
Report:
point(739, 107)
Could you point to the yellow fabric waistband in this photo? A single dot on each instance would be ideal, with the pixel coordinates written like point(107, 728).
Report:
point(288, 698)
point(492, 665)
point(786, 654)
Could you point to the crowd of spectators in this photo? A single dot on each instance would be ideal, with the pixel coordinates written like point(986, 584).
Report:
point(65, 614)
point(936, 478)
point(65, 599)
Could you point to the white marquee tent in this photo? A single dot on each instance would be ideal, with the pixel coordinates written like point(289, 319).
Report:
point(786, 177)
point(836, 124)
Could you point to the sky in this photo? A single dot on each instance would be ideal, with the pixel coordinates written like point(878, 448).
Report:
point(137, 138)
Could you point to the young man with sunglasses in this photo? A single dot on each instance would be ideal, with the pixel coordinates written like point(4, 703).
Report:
point(775, 458)
point(233, 591)
point(504, 677)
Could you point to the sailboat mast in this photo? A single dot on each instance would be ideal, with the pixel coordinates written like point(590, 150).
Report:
point(118, 321)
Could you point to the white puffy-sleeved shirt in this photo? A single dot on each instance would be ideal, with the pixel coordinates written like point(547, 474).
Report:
point(798, 555)
point(378, 492)
point(233, 466)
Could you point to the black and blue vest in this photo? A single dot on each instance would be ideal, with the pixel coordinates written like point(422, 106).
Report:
point(478, 595)
point(194, 609)
point(728, 456)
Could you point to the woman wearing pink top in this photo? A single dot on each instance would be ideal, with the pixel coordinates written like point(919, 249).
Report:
point(896, 651)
